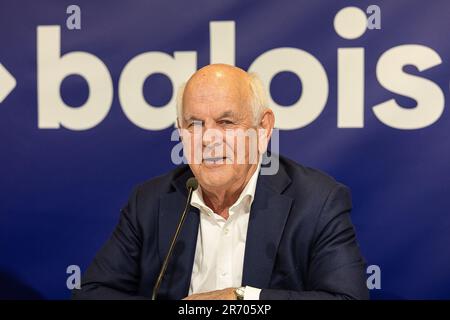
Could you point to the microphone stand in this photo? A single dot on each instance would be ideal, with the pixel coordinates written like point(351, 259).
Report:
point(192, 185)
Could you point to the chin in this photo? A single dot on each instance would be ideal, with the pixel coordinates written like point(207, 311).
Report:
point(215, 179)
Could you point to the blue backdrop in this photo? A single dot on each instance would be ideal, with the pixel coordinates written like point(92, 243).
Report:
point(61, 189)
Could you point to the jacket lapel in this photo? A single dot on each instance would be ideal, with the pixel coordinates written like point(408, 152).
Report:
point(268, 217)
point(175, 284)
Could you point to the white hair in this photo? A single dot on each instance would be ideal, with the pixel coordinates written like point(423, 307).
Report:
point(258, 99)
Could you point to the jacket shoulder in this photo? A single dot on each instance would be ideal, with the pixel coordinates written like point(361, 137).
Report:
point(163, 183)
point(309, 181)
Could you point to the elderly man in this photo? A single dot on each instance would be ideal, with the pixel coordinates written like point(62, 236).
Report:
point(248, 235)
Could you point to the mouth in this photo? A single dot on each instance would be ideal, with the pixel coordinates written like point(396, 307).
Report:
point(214, 161)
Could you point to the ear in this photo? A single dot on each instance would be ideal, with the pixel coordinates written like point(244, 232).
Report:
point(265, 129)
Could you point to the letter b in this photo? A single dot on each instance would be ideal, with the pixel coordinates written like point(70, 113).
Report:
point(53, 68)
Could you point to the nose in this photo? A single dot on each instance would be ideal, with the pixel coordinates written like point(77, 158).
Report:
point(213, 141)
point(212, 136)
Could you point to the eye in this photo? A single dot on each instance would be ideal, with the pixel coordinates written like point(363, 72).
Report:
point(225, 121)
point(195, 123)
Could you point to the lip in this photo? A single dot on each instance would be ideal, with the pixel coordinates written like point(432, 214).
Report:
point(214, 162)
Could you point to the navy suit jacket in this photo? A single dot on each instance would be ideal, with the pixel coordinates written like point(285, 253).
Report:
point(301, 243)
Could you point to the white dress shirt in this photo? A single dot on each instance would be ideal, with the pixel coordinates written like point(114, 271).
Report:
point(219, 254)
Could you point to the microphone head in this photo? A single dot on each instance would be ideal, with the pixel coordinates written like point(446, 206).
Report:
point(192, 183)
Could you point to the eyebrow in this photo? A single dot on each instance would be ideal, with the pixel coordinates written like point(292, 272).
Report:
point(192, 118)
point(227, 114)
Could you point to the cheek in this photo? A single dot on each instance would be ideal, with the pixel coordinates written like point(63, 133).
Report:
point(192, 148)
point(243, 149)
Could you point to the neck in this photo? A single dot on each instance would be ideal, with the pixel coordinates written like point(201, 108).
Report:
point(221, 199)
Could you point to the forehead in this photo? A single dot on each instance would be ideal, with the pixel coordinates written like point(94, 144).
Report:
point(215, 98)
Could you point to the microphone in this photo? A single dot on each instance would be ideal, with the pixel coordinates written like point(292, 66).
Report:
point(191, 185)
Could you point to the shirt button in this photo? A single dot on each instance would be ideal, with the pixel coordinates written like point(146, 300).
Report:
point(226, 230)
point(224, 274)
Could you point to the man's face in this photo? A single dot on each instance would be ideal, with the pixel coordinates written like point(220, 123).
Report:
point(215, 111)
